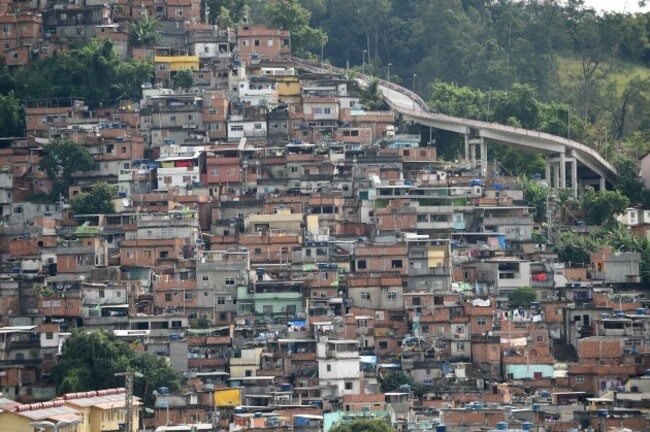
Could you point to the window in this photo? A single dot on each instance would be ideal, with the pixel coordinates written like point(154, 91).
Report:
point(257, 42)
point(178, 12)
point(396, 264)
point(267, 309)
point(236, 128)
point(172, 118)
point(361, 264)
point(383, 345)
point(425, 329)
point(580, 379)
point(257, 125)
point(49, 335)
point(269, 42)
point(329, 368)
point(460, 345)
point(5, 28)
point(177, 24)
point(168, 297)
point(481, 322)
point(365, 295)
point(6, 45)
point(215, 172)
point(540, 338)
point(164, 254)
point(258, 251)
point(391, 295)
point(416, 301)
point(230, 281)
point(221, 300)
point(348, 385)
point(291, 309)
point(205, 278)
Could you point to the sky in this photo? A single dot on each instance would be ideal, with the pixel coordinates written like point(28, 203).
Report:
point(615, 5)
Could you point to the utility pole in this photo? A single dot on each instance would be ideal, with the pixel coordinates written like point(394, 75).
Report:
point(128, 397)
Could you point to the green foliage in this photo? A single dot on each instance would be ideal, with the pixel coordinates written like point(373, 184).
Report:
point(392, 381)
point(602, 206)
point(7, 80)
point(226, 12)
point(145, 31)
point(629, 182)
point(92, 72)
point(184, 78)
point(12, 116)
point(577, 248)
point(90, 360)
point(522, 297)
point(61, 159)
point(372, 97)
point(291, 15)
point(97, 201)
point(537, 196)
point(362, 426)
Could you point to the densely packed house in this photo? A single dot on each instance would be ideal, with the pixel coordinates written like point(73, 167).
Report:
point(288, 250)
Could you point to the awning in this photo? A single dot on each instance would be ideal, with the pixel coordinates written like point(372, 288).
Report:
point(116, 306)
point(368, 359)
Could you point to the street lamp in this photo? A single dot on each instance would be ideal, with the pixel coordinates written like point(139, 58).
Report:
point(128, 397)
point(489, 100)
point(363, 62)
point(414, 76)
point(388, 95)
point(323, 41)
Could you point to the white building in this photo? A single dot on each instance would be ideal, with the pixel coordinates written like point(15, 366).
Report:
point(181, 167)
point(339, 365)
point(258, 91)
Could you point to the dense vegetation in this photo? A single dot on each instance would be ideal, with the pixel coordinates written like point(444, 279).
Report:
point(90, 361)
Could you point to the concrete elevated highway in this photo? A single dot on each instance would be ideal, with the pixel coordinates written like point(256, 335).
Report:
point(568, 163)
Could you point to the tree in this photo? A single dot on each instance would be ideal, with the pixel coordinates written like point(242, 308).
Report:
point(291, 15)
point(184, 78)
point(537, 196)
point(522, 297)
point(602, 206)
point(372, 97)
point(89, 361)
point(392, 381)
point(577, 248)
point(61, 159)
point(130, 76)
point(145, 31)
point(93, 73)
point(12, 117)
point(629, 182)
point(97, 201)
point(362, 426)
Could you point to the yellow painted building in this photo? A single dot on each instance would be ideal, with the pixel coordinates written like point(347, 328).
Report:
point(26, 418)
point(288, 89)
point(102, 410)
point(174, 63)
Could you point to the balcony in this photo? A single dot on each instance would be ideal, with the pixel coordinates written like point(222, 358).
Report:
point(508, 220)
point(444, 225)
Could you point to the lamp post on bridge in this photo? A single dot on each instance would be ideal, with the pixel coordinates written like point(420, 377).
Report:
point(388, 93)
point(363, 62)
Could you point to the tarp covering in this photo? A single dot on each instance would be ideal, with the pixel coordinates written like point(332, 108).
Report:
point(227, 397)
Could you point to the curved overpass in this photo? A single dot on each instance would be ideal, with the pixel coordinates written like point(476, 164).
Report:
point(585, 164)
